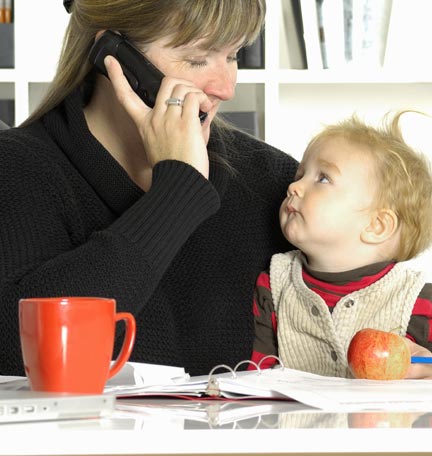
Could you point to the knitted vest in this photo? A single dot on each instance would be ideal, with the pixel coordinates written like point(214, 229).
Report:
point(311, 338)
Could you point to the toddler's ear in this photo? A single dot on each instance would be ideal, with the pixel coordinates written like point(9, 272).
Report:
point(383, 225)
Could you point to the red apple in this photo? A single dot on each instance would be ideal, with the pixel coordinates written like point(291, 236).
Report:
point(378, 355)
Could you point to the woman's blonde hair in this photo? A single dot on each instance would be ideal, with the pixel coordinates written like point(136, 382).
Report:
point(217, 22)
point(404, 179)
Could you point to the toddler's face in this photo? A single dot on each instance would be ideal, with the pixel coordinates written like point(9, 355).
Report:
point(329, 203)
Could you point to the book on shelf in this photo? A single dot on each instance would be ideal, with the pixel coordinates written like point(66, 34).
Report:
point(246, 121)
point(292, 52)
point(7, 55)
point(3, 125)
point(6, 11)
point(331, 32)
point(341, 32)
point(370, 24)
point(7, 112)
point(252, 55)
point(6, 35)
point(311, 34)
point(347, 26)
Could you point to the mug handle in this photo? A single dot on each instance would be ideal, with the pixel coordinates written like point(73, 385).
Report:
point(128, 342)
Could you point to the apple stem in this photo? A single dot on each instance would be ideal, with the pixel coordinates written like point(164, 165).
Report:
point(395, 329)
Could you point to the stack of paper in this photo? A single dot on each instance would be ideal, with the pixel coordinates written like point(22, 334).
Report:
point(332, 394)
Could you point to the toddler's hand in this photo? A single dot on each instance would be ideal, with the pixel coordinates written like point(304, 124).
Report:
point(419, 370)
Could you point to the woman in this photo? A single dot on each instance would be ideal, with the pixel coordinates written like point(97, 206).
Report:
point(102, 196)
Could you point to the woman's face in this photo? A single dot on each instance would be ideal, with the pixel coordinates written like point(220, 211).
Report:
point(214, 71)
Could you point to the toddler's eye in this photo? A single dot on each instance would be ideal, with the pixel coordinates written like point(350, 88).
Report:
point(323, 179)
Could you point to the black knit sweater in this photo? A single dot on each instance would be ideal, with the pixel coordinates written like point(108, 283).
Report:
point(183, 257)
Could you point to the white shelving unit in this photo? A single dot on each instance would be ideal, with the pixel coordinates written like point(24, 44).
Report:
point(39, 28)
point(291, 104)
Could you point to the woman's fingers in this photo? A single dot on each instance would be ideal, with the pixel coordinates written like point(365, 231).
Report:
point(168, 131)
point(132, 103)
point(170, 89)
point(190, 96)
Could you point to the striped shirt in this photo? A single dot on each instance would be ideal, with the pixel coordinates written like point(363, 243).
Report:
point(332, 287)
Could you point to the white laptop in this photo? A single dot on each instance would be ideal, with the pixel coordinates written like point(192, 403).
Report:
point(22, 406)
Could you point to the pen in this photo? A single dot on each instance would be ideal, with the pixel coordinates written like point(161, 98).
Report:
point(421, 359)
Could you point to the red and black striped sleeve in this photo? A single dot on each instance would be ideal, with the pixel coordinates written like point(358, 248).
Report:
point(420, 324)
point(265, 342)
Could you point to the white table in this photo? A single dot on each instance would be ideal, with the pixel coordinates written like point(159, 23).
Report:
point(158, 429)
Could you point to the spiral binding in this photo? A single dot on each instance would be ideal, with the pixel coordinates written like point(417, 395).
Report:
point(281, 364)
point(213, 384)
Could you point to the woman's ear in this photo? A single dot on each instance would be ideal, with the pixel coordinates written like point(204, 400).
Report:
point(98, 34)
point(382, 226)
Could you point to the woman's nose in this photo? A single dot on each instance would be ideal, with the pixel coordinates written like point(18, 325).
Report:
point(222, 82)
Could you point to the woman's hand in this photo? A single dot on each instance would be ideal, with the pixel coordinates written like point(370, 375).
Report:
point(419, 370)
point(168, 132)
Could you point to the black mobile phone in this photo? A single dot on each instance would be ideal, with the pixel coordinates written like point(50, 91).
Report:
point(144, 78)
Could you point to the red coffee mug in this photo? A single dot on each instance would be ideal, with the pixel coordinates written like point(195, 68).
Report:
point(67, 342)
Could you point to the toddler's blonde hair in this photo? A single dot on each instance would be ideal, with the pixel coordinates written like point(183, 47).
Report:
point(404, 178)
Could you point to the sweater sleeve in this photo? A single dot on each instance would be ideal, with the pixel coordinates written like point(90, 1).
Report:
point(39, 256)
point(161, 221)
point(420, 324)
point(42, 254)
point(265, 341)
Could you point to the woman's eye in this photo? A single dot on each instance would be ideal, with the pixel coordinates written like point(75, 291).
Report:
point(197, 63)
point(232, 58)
